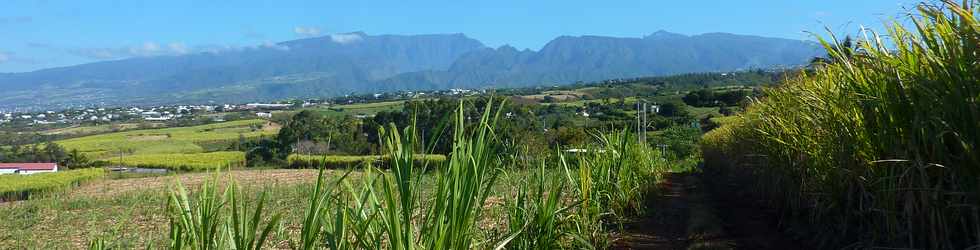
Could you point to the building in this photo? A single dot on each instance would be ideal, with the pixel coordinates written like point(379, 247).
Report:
point(266, 106)
point(27, 168)
point(264, 115)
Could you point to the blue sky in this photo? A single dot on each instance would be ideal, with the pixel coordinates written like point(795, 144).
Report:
point(37, 34)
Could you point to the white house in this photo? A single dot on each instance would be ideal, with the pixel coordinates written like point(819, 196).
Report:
point(27, 168)
point(266, 106)
point(263, 115)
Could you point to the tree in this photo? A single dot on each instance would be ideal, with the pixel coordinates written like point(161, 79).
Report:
point(305, 125)
point(673, 109)
point(76, 159)
point(54, 153)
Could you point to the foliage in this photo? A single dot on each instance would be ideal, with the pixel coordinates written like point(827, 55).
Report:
point(408, 207)
point(46, 152)
point(674, 109)
point(877, 147)
point(678, 141)
point(711, 98)
point(17, 187)
point(335, 133)
point(203, 224)
point(537, 217)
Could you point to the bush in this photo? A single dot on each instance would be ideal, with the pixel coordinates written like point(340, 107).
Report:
point(21, 187)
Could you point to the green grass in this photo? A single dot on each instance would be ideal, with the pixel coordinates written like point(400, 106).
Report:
point(185, 140)
point(183, 162)
point(98, 129)
point(17, 187)
point(365, 108)
point(878, 148)
point(703, 112)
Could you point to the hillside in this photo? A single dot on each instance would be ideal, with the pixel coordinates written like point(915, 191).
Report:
point(360, 63)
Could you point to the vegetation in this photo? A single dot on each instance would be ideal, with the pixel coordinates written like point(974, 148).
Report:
point(352, 161)
point(181, 140)
point(877, 146)
point(446, 207)
point(18, 187)
point(183, 162)
point(46, 152)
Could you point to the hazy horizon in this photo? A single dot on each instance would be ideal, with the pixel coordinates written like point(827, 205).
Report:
point(47, 34)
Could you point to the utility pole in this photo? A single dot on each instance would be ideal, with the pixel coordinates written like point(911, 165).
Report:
point(639, 138)
point(644, 129)
point(641, 121)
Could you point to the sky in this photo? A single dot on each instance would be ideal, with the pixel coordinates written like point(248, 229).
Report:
point(38, 34)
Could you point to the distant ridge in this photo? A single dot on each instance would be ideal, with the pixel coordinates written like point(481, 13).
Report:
point(343, 63)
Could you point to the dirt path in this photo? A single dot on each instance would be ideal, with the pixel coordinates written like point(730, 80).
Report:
point(666, 226)
point(749, 225)
point(690, 215)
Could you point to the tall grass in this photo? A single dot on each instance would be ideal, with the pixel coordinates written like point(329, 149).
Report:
point(878, 146)
point(22, 187)
point(205, 222)
point(612, 182)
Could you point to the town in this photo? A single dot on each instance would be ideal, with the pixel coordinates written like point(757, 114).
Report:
point(202, 113)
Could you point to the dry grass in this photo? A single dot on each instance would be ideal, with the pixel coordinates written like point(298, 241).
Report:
point(246, 177)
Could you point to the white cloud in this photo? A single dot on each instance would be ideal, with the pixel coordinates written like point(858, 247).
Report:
point(271, 45)
point(346, 38)
point(146, 49)
point(179, 48)
point(4, 57)
point(307, 31)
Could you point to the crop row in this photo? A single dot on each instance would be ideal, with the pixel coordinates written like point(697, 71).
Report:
point(183, 162)
point(18, 187)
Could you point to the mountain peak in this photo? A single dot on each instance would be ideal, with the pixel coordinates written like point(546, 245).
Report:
point(661, 34)
point(341, 63)
point(507, 47)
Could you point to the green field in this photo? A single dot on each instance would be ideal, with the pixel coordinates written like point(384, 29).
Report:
point(16, 187)
point(98, 129)
point(364, 108)
point(186, 140)
point(185, 162)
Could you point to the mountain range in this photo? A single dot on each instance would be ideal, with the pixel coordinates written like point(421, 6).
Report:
point(360, 63)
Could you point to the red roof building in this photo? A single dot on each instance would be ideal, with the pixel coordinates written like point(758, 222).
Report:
point(27, 168)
